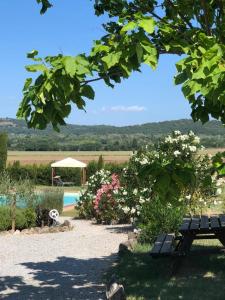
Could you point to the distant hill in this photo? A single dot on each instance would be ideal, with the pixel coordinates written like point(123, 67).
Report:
point(104, 137)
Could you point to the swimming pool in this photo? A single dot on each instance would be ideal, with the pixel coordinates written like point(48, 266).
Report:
point(70, 198)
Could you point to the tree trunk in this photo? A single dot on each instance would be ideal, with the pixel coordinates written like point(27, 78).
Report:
point(13, 213)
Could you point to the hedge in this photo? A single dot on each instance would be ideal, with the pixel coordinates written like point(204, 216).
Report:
point(41, 174)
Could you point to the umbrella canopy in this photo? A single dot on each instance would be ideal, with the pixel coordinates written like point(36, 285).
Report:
point(68, 163)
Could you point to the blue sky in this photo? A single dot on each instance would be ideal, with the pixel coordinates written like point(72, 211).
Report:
point(69, 28)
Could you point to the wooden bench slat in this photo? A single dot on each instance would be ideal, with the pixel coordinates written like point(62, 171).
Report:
point(204, 223)
point(195, 222)
point(168, 243)
point(214, 222)
point(158, 244)
point(222, 220)
point(185, 225)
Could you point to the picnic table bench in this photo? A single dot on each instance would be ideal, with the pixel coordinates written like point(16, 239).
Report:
point(192, 228)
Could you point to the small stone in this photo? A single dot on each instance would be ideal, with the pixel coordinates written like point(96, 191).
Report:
point(25, 231)
point(115, 291)
point(16, 232)
point(36, 229)
point(127, 246)
point(66, 223)
point(45, 229)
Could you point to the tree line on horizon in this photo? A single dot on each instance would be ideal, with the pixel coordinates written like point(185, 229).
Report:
point(103, 137)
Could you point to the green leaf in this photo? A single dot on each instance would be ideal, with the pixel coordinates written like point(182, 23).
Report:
point(112, 59)
point(36, 68)
point(88, 92)
point(27, 84)
point(129, 26)
point(139, 52)
point(32, 54)
point(148, 24)
point(180, 78)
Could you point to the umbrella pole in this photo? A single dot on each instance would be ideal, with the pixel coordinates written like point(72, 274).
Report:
point(52, 175)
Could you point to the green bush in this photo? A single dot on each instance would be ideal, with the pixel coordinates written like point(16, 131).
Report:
point(3, 150)
point(5, 219)
point(25, 218)
point(52, 199)
point(158, 217)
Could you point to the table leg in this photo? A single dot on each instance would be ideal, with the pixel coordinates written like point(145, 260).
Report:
point(185, 244)
point(221, 237)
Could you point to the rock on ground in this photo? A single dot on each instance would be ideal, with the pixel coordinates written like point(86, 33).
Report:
point(66, 265)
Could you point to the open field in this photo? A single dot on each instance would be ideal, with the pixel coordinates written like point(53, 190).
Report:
point(45, 157)
point(213, 151)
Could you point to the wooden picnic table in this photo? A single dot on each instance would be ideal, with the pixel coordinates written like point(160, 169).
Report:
point(201, 227)
point(192, 228)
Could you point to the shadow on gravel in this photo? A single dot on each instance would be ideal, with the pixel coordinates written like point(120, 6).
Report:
point(64, 278)
point(120, 229)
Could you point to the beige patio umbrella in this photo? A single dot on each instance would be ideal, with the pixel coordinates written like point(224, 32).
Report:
point(70, 163)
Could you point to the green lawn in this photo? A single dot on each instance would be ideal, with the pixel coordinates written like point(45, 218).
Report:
point(200, 276)
point(70, 213)
point(69, 189)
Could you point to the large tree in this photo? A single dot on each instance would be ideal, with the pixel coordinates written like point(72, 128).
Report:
point(137, 32)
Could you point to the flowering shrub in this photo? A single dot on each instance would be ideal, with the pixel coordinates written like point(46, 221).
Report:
point(166, 181)
point(85, 205)
point(159, 186)
point(103, 198)
point(107, 204)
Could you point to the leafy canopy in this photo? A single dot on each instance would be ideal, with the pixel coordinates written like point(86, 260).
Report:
point(137, 32)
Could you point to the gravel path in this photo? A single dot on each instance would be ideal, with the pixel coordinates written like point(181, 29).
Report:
point(67, 265)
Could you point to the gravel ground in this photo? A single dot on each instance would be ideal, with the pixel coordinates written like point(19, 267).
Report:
point(67, 265)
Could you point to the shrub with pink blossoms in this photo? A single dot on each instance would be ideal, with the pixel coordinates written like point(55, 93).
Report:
point(107, 205)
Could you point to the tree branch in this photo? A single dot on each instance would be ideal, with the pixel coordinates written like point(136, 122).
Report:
point(206, 16)
point(185, 20)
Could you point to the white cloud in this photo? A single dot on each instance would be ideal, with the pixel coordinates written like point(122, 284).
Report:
point(122, 108)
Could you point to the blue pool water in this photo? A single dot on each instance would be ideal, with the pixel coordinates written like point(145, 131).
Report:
point(70, 198)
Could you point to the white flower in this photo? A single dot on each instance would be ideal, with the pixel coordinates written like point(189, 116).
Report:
point(176, 153)
point(192, 148)
point(126, 209)
point(196, 140)
point(142, 200)
point(188, 197)
point(124, 193)
point(135, 191)
point(218, 191)
point(169, 139)
point(144, 161)
point(191, 133)
point(133, 210)
point(183, 137)
point(184, 146)
point(177, 132)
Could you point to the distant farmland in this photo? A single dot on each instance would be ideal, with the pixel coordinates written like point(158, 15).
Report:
point(45, 157)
